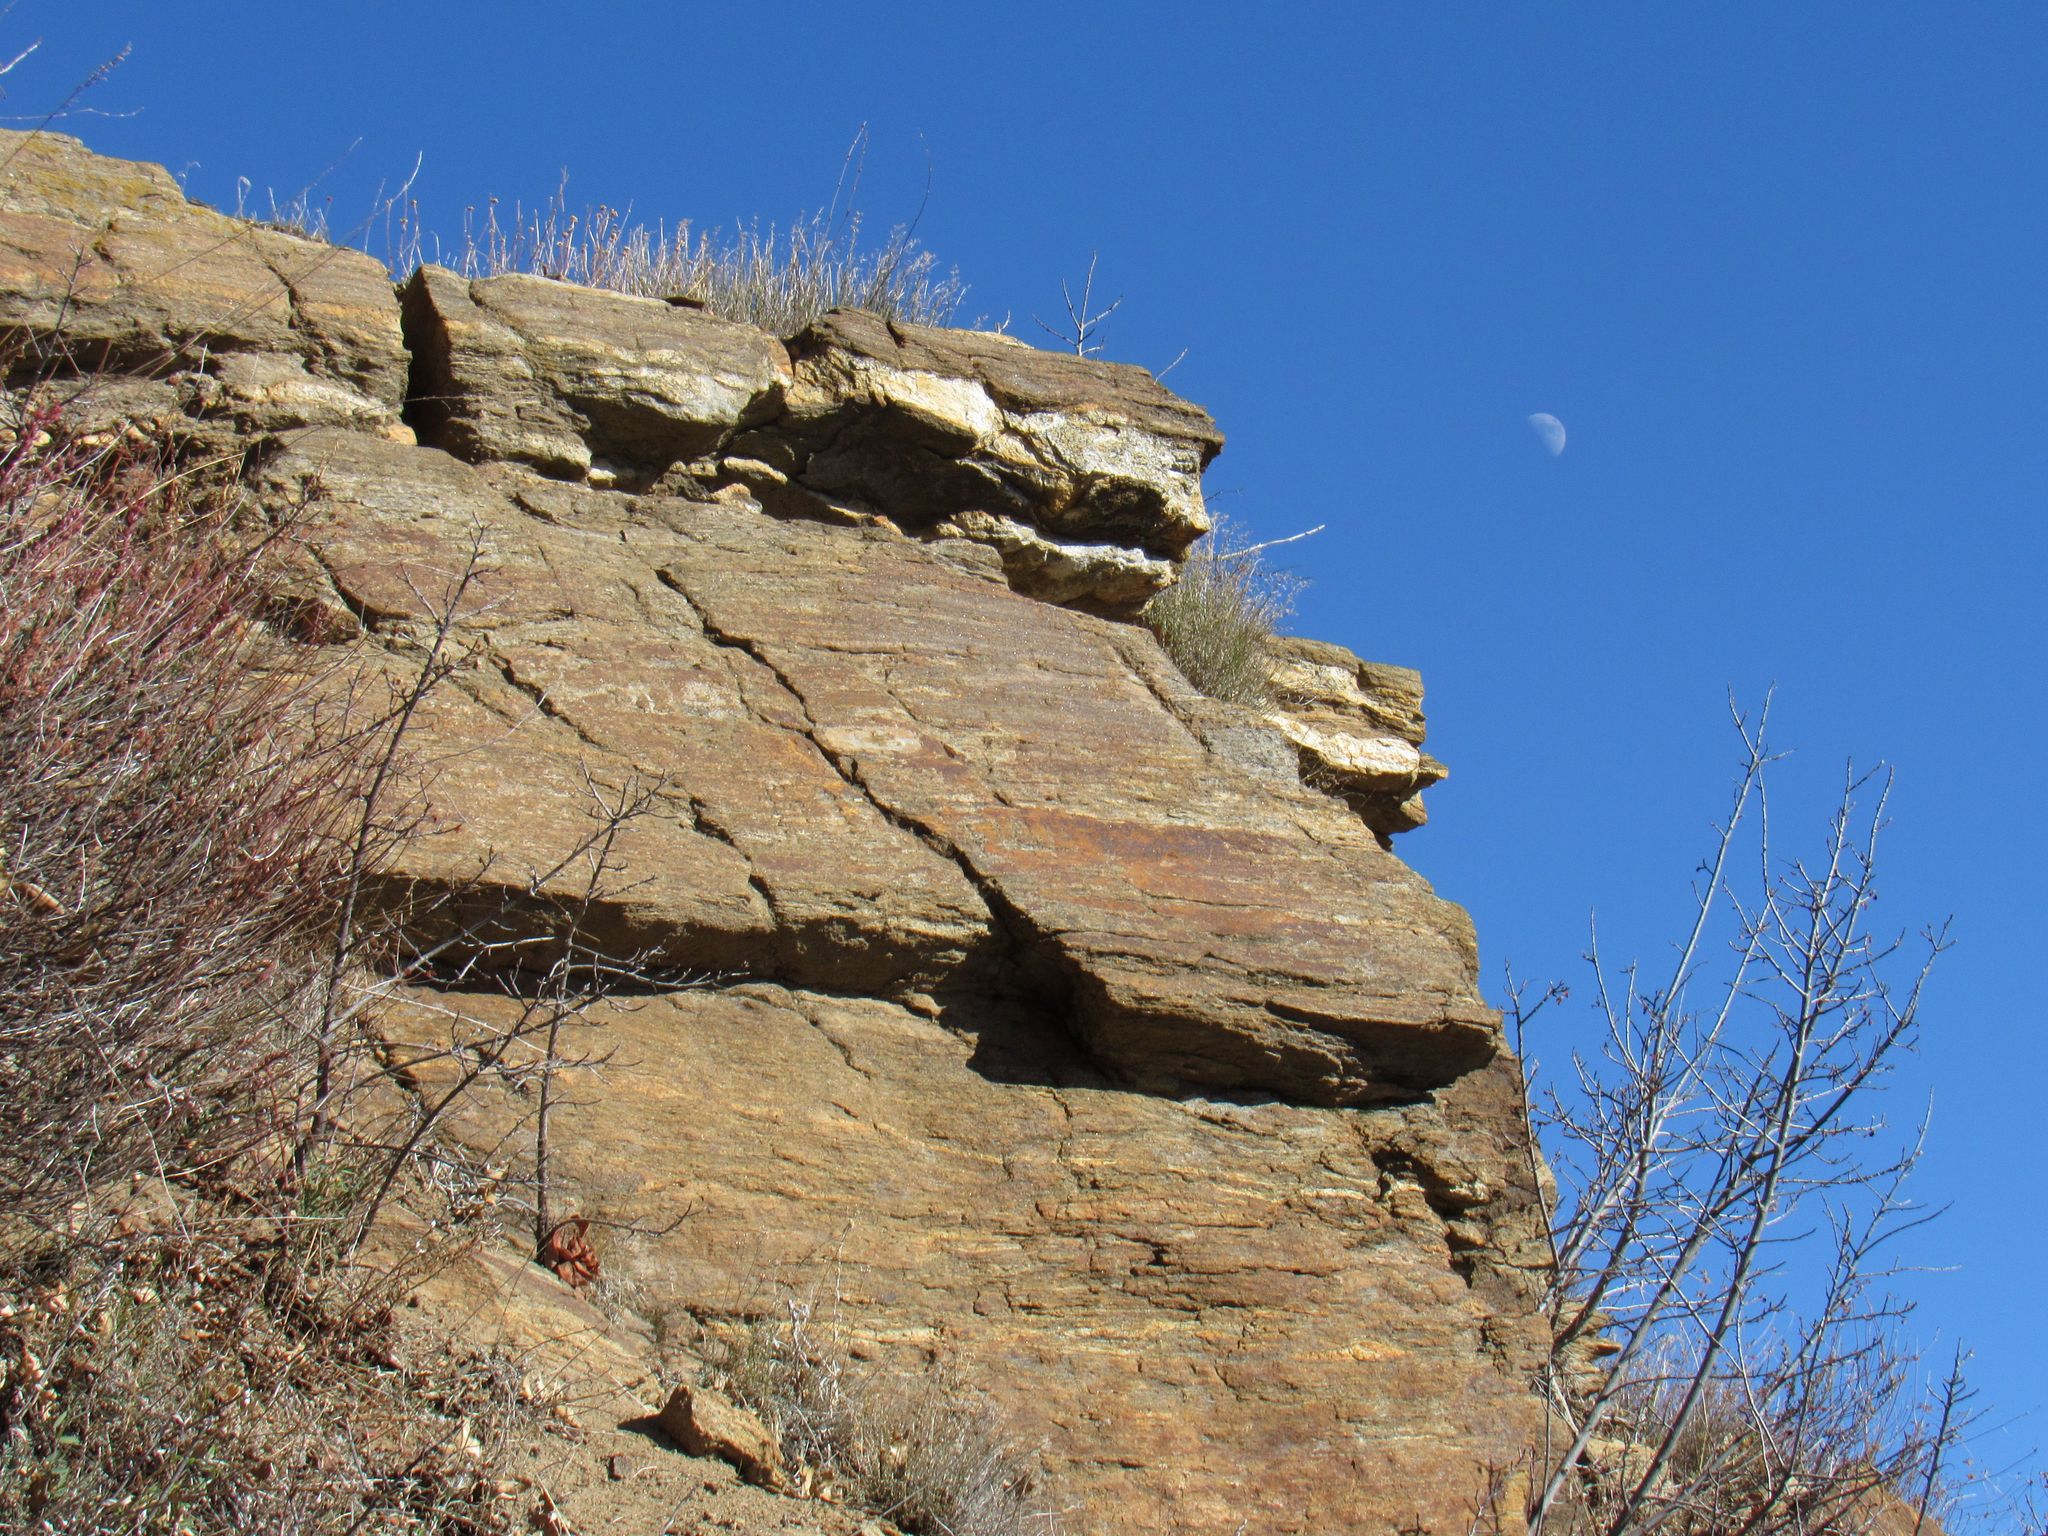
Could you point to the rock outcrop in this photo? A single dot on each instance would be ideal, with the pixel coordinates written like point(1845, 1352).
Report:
point(1358, 727)
point(1084, 477)
point(188, 321)
point(576, 383)
point(1063, 1022)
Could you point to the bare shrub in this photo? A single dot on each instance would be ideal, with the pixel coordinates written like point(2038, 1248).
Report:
point(1725, 1354)
point(913, 1451)
point(532, 1046)
point(181, 1348)
point(167, 853)
point(1216, 619)
point(193, 947)
point(375, 1109)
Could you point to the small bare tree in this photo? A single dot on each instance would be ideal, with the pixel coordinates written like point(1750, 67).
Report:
point(527, 1048)
point(520, 937)
point(1084, 321)
point(1725, 1355)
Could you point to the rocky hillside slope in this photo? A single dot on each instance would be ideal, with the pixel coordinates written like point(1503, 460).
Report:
point(1054, 1019)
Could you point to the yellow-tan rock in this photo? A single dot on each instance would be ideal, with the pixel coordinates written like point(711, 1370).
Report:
point(1358, 728)
point(984, 976)
point(1208, 1311)
point(529, 370)
point(706, 1423)
point(108, 273)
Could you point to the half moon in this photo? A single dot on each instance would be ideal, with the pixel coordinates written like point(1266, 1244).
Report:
point(1549, 431)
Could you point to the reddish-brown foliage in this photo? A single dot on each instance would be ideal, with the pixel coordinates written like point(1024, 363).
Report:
point(568, 1253)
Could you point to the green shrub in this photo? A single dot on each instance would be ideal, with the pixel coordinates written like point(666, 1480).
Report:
point(1215, 621)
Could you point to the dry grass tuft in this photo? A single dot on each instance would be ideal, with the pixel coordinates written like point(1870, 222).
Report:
point(911, 1451)
point(208, 1383)
point(777, 279)
point(1215, 621)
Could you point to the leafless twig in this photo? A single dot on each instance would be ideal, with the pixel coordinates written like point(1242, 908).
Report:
point(1083, 320)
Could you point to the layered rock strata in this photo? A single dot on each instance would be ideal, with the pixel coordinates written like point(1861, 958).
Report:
point(1064, 1023)
point(1084, 477)
point(876, 767)
point(199, 326)
point(1358, 727)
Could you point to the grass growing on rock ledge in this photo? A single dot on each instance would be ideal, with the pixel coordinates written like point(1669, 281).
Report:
point(1215, 621)
point(779, 280)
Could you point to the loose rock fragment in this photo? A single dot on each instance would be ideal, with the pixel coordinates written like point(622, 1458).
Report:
point(706, 1423)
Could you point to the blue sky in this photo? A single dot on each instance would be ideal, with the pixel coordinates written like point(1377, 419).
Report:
point(1777, 268)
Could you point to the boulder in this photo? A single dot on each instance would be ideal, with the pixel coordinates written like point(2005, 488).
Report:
point(578, 383)
point(705, 1422)
point(180, 315)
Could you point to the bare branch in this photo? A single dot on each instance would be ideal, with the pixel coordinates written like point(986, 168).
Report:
point(1723, 1163)
point(1083, 319)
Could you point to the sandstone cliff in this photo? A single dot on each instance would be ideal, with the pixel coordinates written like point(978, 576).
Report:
point(1059, 1020)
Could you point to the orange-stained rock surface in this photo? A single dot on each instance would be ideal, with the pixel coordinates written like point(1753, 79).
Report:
point(1060, 1023)
point(917, 773)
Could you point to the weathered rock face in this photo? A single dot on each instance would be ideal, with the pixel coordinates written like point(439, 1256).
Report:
point(1040, 455)
point(1030, 1001)
point(1084, 477)
point(186, 319)
point(574, 382)
point(874, 767)
point(1211, 1312)
point(1358, 727)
